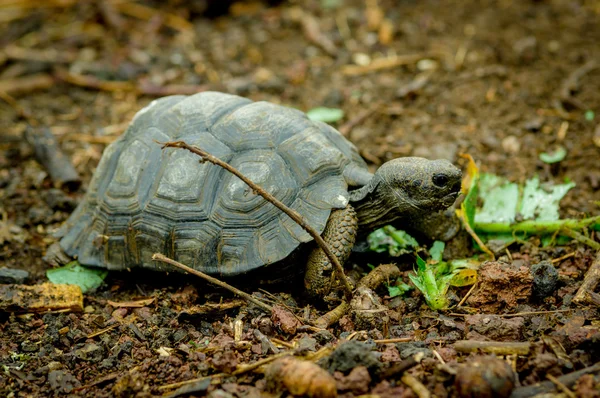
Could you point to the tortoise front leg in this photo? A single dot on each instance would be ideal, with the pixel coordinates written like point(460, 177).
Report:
point(340, 234)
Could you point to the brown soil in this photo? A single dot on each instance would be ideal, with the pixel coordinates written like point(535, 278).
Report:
point(500, 80)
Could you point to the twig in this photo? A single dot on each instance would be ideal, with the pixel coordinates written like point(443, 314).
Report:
point(558, 260)
point(347, 127)
point(48, 154)
point(396, 340)
point(215, 281)
point(27, 84)
point(572, 81)
point(567, 380)
point(141, 87)
point(331, 317)
point(592, 277)
point(270, 198)
point(561, 386)
point(102, 331)
point(191, 381)
point(402, 366)
point(493, 347)
point(382, 64)
point(476, 237)
point(467, 295)
point(143, 12)
point(416, 386)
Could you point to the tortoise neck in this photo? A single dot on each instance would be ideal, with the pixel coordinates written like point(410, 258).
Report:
point(375, 205)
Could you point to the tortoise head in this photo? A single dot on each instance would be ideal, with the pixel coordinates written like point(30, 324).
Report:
point(419, 185)
point(406, 188)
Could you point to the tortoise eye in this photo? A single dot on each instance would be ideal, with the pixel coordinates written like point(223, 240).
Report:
point(440, 180)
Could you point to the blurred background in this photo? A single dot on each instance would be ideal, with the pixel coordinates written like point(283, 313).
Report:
point(501, 80)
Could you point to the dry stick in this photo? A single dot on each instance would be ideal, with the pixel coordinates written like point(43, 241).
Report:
point(592, 277)
point(493, 347)
point(572, 81)
point(49, 154)
point(267, 196)
point(416, 386)
point(561, 386)
point(547, 386)
point(215, 281)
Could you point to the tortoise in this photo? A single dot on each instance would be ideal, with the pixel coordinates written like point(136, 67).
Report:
point(143, 200)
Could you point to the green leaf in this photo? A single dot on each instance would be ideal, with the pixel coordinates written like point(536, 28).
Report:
point(75, 274)
point(437, 250)
point(542, 203)
point(331, 4)
point(434, 289)
point(554, 157)
point(500, 199)
point(395, 242)
point(400, 289)
point(589, 115)
point(326, 115)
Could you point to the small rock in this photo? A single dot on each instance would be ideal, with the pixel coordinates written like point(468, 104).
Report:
point(62, 381)
point(307, 344)
point(409, 349)
point(511, 144)
point(485, 377)
point(351, 354)
point(284, 319)
point(525, 48)
point(13, 276)
point(225, 361)
point(356, 382)
point(534, 124)
point(323, 336)
point(90, 352)
point(28, 346)
point(495, 327)
point(501, 285)
point(545, 279)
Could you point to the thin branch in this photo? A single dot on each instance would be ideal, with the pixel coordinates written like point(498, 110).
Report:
point(215, 281)
point(592, 277)
point(270, 198)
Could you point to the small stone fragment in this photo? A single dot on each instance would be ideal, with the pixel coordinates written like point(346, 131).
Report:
point(11, 275)
point(284, 319)
point(350, 355)
point(545, 279)
point(300, 378)
point(40, 298)
point(90, 352)
point(62, 382)
point(501, 285)
point(511, 144)
point(495, 327)
point(356, 382)
point(484, 377)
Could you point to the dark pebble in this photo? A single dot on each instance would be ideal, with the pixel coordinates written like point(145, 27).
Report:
point(11, 275)
point(545, 279)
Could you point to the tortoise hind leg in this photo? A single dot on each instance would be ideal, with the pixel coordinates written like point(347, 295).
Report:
point(340, 234)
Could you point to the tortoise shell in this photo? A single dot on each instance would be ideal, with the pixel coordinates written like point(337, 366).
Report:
point(144, 200)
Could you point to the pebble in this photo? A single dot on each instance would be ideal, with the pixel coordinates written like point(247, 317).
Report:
point(545, 279)
point(511, 144)
point(13, 276)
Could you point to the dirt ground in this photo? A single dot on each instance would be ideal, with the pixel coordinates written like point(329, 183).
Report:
point(500, 80)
